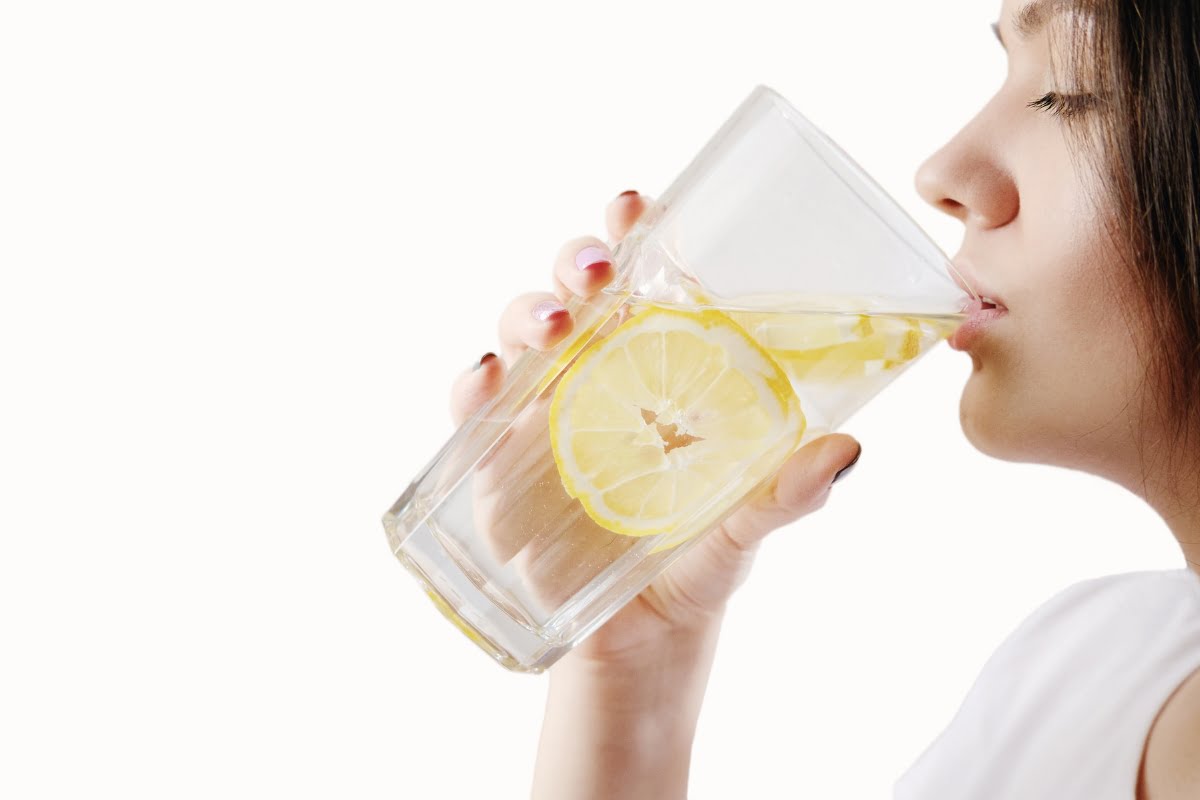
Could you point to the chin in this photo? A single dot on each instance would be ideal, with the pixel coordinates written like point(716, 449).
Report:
point(982, 436)
point(997, 423)
point(989, 425)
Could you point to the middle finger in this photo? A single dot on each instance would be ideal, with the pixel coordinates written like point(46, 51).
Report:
point(538, 320)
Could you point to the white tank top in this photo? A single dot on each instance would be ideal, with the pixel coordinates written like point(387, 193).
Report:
point(1062, 709)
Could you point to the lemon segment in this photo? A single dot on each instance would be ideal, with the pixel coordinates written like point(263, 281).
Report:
point(667, 414)
point(803, 331)
point(833, 348)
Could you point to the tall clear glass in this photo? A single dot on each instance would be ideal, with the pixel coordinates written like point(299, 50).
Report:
point(772, 291)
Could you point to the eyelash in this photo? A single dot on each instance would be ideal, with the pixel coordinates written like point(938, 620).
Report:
point(1064, 105)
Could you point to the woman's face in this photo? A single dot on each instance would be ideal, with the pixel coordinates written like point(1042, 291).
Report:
point(1055, 377)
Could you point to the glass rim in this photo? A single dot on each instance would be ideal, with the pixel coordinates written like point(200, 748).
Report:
point(836, 159)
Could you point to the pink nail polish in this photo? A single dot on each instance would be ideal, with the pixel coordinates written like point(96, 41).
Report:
point(546, 309)
point(591, 256)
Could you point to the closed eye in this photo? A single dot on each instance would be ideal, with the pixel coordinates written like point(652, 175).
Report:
point(1064, 105)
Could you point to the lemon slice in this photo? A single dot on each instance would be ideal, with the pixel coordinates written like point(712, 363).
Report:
point(790, 332)
point(839, 347)
point(672, 411)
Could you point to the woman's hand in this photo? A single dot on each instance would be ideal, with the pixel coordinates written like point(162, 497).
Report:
point(642, 673)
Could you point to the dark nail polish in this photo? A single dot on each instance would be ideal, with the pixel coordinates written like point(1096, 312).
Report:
point(627, 193)
point(846, 470)
point(486, 358)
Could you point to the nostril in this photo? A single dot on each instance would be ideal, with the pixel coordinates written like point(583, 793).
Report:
point(952, 208)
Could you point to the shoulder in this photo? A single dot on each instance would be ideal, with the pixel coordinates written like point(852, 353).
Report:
point(1170, 767)
point(1116, 607)
point(1171, 763)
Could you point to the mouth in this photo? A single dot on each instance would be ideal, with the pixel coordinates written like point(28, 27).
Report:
point(982, 311)
point(981, 296)
point(984, 303)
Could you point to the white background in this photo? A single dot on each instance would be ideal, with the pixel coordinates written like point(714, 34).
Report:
point(246, 247)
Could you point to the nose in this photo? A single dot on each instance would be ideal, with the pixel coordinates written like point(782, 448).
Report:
point(969, 180)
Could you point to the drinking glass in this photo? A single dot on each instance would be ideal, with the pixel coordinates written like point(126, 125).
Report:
point(770, 292)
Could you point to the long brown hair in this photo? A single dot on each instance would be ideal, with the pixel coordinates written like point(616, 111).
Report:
point(1141, 61)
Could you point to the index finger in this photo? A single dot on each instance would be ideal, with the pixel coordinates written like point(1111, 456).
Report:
point(585, 265)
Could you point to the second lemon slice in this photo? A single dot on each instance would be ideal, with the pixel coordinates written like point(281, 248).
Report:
point(831, 348)
point(672, 410)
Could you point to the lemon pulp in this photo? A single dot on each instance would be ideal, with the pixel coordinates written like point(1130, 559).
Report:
point(669, 413)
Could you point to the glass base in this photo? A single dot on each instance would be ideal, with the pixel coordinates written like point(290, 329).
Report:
point(509, 641)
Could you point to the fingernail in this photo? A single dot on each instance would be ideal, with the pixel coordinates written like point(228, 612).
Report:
point(546, 309)
point(846, 470)
point(591, 256)
point(627, 193)
point(486, 358)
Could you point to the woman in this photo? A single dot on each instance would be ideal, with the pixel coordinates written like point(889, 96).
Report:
point(1078, 186)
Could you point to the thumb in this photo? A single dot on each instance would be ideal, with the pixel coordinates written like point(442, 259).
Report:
point(800, 487)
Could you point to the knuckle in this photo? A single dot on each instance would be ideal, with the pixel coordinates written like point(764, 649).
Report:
point(518, 308)
point(817, 503)
point(528, 298)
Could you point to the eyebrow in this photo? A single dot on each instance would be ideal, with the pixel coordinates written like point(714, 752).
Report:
point(1034, 15)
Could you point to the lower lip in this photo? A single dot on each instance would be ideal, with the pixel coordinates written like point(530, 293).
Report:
point(978, 319)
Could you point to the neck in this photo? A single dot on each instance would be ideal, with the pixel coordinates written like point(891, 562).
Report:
point(1185, 527)
point(1172, 489)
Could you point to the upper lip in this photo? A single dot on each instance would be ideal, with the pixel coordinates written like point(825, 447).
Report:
point(963, 271)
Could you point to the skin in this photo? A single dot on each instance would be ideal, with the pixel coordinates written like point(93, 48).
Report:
point(1059, 379)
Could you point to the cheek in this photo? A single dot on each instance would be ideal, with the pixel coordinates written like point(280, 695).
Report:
point(1079, 359)
point(1056, 388)
point(1056, 381)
